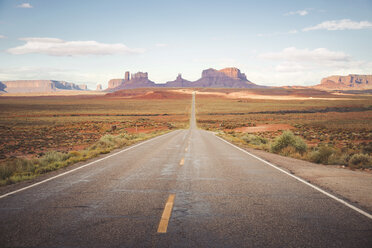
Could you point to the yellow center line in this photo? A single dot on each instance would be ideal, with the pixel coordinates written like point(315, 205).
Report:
point(182, 161)
point(163, 224)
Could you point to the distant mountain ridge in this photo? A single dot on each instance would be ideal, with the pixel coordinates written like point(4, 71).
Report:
point(226, 78)
point(29, 86)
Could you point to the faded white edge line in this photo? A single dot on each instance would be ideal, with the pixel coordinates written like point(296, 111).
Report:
point(83, 166)
point(303, 181)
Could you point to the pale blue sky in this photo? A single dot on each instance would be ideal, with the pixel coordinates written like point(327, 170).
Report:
point(273, 42)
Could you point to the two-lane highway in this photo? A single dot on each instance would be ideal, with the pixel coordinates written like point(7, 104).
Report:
point(187, 188)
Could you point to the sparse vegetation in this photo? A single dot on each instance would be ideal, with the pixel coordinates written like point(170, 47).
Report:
point(322, 131)
point(18, 169)
point(41, 134)
point(288, 139)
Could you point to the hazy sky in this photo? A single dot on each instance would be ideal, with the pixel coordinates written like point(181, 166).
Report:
point(272, 42)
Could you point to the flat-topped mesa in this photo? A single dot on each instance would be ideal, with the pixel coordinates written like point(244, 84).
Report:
point(226, 78)
point(233, 73)
point(350, 82)
point(26, 86)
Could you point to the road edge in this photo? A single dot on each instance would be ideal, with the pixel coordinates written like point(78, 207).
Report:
point(83, 165)
point(349, 205)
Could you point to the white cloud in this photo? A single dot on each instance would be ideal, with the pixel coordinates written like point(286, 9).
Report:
point(293, 66)
point(161, 45)
point(298, 12)
point(306, 55)
point(340, 25)
point(25, 6)
point(58, 47)
point(2, 36)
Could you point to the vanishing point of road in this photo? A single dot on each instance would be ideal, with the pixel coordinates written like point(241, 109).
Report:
point(187, 188)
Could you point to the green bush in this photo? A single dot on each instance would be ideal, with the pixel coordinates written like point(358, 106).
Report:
point(360, 160)
point(53, 156)
point(288, 139)
point(322, 155)
point(254, 139)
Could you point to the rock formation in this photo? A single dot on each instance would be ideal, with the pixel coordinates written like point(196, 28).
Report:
point(26, 86)
point(113, 83)
point(225, 78)
point(179, 82)
point(99, 87)
point(136, 80)
point(127, 76)
point(350, 82)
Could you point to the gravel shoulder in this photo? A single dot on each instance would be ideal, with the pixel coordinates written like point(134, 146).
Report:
point(354, 186)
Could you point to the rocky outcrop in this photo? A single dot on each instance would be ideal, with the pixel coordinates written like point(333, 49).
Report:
point(113, 83)
point(225, 78)
point(136, 80)
point(140, 75)
point(350, 82)
point(26, 86)
point(179, 82)
point(99, 87)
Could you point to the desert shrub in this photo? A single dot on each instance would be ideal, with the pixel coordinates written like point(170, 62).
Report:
point(288, 139)
point(338, 158)
point(107, 141)
point(52, 156)
point(254, 139)
point(360, 160)
point(5, 171)
point(322, 155)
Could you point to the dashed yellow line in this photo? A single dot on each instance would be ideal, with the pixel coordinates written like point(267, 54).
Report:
point(182, 162)
point(163, 225)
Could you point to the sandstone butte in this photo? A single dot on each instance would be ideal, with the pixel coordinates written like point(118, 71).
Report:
point(350, 82)
point(211, 78)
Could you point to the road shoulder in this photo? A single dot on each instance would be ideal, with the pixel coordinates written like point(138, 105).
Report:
point(354, 186)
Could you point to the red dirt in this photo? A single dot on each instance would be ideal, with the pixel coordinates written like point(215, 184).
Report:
point(144, 130)
point(264, 128)
point(149, 94)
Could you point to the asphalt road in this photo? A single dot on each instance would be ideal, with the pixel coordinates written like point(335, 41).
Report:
point(220, 197)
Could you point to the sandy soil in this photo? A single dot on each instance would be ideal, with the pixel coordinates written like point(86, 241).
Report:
point(143, 130)
point(354, 186)
point(57, 93)
point(251, 95)
point(264, 128)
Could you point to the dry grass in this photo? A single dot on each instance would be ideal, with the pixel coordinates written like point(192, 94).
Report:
point(33, 127)
point(342, 125)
